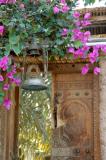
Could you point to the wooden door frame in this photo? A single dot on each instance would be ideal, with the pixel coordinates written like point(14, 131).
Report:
point(96, 122)
point(60, 68)
point(76, 68)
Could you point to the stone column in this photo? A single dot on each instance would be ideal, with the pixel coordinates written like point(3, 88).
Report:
point(102, 84)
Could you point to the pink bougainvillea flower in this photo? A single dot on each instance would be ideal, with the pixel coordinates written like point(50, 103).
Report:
point(97, 70)
point(87, 34)
point(85, 23)
point(77, 34)
point(7, 103)
point(1, 78)
point(63, 1)
point(2, 1)
point(71, 50)
point(17, 81)
point(85, 48)
point(78, 53)
point(76, 14)
point(93, 56)
point(56, 10)
point(65, 9)
point(7, 1)
point(5, 68)
point(6, 87)
point(87, 16)
point(22, 6)
point(78, 24)
point(5, 60)
point(11, 1)
point(64, 32)
point(13, 69)
point(85, 69)
point(96, 48)
point(10, 75)
point(103, 48)
point(1, 30)
point(4, 63)
point(85, 37)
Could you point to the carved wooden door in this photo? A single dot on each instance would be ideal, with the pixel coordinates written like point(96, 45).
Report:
point(73, 136)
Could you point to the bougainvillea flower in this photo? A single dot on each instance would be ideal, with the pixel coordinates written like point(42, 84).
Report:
point(17, 81)
point(64, 32)
point(78, 24)
point(87, 34)
point(63, 1)
point(87, 16)
point(77, 34)
point(65, 9)
point(76, 14)
point(93, 56)
point(10, 75)
point(97, 70)
point(2, 1)
point(78, 53)
point(1, 78)
point(103, 48)
point(71, 50)
point(1, 30)
point(11, 1)
point(85, 69)
point(6, 87)
point(13, 69)
point(85, 23)
point(96, 48)
point(22, 6)
point(7, 103)
point(85, 48)
point(4, 63)
point(56, 10)
point(85, 37)
point(7, 1)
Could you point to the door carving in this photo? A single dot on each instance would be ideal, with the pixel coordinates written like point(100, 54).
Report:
point(74, 134)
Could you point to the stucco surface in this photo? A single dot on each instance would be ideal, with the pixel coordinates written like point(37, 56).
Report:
point(102, 84)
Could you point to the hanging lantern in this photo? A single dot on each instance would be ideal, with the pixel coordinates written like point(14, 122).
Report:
point(33, 81)
point(34, 48)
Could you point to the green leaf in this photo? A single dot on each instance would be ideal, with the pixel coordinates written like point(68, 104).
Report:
point(13, 38)
point(16, 49)
point(59, 42)
point(1, 85)
point(7, 49)
point(1, 94)
point(77, 44)
point(1, 99)
point(89, 2)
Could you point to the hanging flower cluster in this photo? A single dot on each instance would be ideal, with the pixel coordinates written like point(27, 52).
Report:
point(7, 1)
point(53, 22)
point(8, 79)
point(82, 51)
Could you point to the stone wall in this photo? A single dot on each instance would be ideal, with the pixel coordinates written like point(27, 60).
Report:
point(102, 84)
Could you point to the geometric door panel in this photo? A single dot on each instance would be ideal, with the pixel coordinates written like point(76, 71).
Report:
point(73, 135)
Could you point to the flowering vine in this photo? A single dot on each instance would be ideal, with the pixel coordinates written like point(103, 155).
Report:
point(50, 22)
